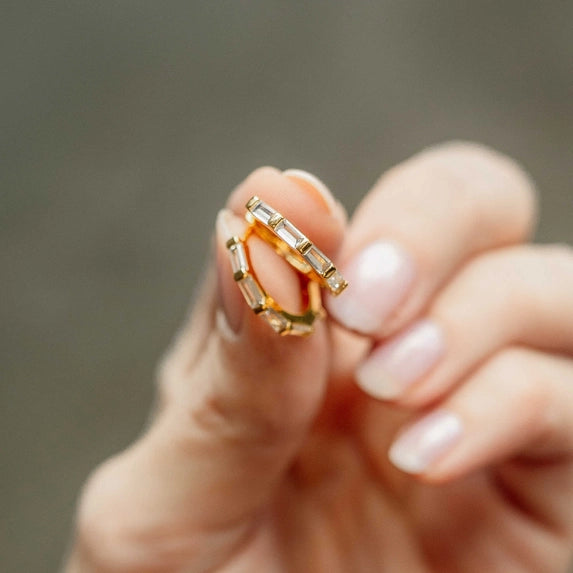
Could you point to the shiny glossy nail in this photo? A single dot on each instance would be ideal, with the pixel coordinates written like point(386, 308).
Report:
point(228, 225)
point(426, 441)
point(394, 366)
point(379, 278)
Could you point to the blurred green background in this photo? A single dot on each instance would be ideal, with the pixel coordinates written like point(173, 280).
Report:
point(123, 127)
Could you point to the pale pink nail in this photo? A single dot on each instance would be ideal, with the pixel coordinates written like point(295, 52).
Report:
point(379, 278)
point(426, 441)
point(397, 364)
point(228, 225)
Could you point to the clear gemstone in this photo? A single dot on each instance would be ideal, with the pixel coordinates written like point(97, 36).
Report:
point(278, 322)
point(252, 292)
point(289, 233)
point(263, 212)
point(238, 258)
point(336, 282)
point(301, 328)
point(317, 260)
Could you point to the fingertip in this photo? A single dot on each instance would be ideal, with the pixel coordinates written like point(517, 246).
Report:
point(298, 196)
point(313, 184)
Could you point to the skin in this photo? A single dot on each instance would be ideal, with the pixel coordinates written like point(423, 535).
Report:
point(265, 455)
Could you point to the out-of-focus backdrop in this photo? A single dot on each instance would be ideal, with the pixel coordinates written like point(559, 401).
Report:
point(123, 127)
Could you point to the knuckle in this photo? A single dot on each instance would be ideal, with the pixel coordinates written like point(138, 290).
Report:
point(508, 365)
point(114, 535)
point(460, 151)
point(172, 375)
point(536, 401)
point(167, 373)
point(541, 278)
point(553, 282)
point(555, 267)
point(237, 422)
point(560, 255)
point(520, 282)
point(530, 394)
point(493, 279)
point(102, 535)
point(486, 184)
point(482, 157)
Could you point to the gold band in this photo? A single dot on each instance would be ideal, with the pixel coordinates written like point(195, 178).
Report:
point(294, 246)
point(262, 304)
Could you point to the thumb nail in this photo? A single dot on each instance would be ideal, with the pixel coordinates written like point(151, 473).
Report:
point(230, 314)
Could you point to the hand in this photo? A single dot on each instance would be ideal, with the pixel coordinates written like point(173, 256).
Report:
point(271, 454)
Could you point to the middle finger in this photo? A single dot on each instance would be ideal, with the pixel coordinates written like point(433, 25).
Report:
point(518, 295)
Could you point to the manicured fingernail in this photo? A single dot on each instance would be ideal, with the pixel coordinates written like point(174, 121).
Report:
point(314, 184)
point(379, 278)
point(426, 441)
point(397, 364)
point(228, 225)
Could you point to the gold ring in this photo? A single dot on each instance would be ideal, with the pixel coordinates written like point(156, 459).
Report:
point(294, 246)
point(262, 304)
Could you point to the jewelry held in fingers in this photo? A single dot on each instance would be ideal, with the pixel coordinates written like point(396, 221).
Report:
point(281, 321)
point(294, 246)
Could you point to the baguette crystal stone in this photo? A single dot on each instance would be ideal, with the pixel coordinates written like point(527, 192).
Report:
point(318, 261)
point(253, 293)
point(301, 328)
point(278, 322)
point(292, 244)
point(289, 234)
point(263, 212)
point(238, 258)
point(336, 282)
point(259, 301)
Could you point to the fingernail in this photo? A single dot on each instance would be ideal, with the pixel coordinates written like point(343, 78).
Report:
point(378, 278)
point(228, 225)
point(426, 441)
point(310, 181)
point(397, 364)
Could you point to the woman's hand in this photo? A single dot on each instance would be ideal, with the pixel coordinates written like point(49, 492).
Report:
point(271, 454)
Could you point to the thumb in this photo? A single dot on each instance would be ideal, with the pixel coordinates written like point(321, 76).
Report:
point(235, 403)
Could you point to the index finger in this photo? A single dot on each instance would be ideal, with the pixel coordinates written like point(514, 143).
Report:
point(421, 222)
